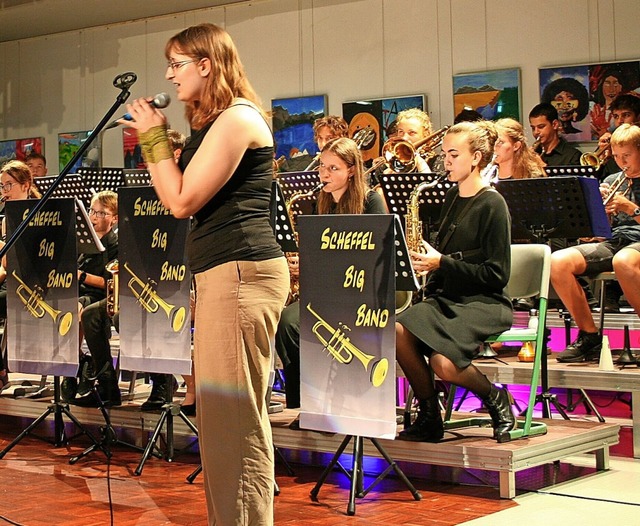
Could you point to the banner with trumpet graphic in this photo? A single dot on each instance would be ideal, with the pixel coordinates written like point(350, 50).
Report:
point(347, 324)
point(150, 285)
point(42, 289)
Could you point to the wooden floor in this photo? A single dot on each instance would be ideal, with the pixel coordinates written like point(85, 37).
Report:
point(38, 486)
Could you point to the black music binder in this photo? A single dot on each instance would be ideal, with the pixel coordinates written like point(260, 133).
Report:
point(296, 182)
point(72, 186)
point(555, 207)
point(98, 179)
point(137, 177)
point(571, 171)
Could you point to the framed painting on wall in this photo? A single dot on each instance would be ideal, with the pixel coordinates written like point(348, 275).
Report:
point(69, 143)
point(19, 148)
point(131, 149)
point(494, 94)
point(293, 130)
point(378, 116)
point(583, 94)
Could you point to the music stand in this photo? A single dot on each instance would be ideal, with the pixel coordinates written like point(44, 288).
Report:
point(98, 179)
point(109, 437)
point(167, 414)
point(296, 182)
point(405, 279)
point(73, 187)
point(137, 177)
point(280, 220)
point(122, 82)
point(571, 171)
point(397, 190)
point(552, 207)
point(59, 408)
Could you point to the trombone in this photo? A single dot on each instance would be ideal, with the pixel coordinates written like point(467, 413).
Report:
point(343, 350)
point(400, 155)
point(150, 301)
point(37, 307)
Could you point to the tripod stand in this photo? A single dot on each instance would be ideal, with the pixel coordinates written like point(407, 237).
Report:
point(109, 438)
point(356, 476)
point(58, 409)
point(169, 411)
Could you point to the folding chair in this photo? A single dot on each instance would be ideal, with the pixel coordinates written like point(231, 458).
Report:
point(530, 271)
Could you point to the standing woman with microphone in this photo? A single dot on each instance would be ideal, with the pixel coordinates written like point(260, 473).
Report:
point(223, 180)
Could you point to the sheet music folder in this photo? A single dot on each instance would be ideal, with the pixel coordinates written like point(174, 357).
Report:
point(555, 207)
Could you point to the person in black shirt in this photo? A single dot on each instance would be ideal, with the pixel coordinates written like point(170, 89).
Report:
point(465, 293)
point(345, 192)
point(554, 150)
point(223, 180)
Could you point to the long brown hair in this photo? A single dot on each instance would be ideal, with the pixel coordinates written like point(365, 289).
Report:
point(352, 201)
point(22, 174)
point(227, 79)
point(525, 163)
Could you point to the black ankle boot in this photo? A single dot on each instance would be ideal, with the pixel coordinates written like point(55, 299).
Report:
point(107, 385)
point(499, 405)
point(428, 426)
point(85, 371)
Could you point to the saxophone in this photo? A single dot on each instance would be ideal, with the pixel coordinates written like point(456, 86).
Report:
point(413, 235)
point(294, 281)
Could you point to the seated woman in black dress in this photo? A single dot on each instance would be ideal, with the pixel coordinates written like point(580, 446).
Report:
point(465, 298)
point(345, 192)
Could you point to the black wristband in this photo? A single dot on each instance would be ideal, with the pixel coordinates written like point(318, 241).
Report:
point(82, 278)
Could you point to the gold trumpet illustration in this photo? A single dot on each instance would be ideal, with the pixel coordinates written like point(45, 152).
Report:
point(37, 307)
point(151, 301)
point(343, 350)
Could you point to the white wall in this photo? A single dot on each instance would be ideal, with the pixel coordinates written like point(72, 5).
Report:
point(346, 49)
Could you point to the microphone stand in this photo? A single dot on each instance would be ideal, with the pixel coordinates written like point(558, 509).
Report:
point(123, 82)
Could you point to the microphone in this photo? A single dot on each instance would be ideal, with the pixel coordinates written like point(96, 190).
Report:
point(161, 100)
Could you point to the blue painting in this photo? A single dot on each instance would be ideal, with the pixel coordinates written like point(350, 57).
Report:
point(293, 127)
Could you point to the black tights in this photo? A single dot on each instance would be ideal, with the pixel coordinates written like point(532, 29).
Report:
point(420, 373)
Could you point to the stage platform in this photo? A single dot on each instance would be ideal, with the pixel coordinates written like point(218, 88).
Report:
point(471, 448)
point(570, 375)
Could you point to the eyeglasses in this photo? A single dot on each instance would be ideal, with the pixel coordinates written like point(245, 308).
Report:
point(177, 65)
point(6, 187)
point(99, 213)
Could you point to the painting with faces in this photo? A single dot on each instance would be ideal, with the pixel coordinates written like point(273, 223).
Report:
point(583, 94)
point(377, 116)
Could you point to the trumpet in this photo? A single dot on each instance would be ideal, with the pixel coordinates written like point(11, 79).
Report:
point(400, 155)
point(615, 186)
point(151, 301)
point(37, 307)
point(113, 289)
point(341, 348)
point(597, 158)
